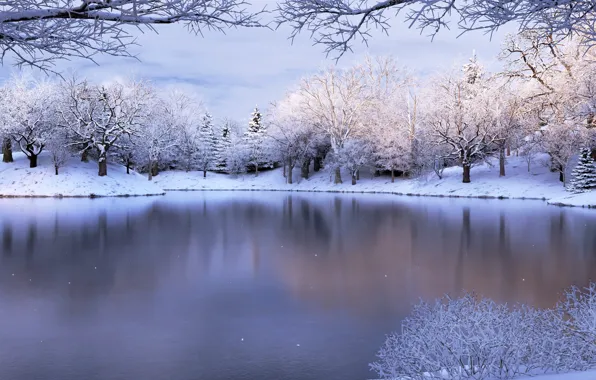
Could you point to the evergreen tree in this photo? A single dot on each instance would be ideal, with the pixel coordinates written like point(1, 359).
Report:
point(254, 139)
point(207, 144)
point(583, 177)
point(222, 146)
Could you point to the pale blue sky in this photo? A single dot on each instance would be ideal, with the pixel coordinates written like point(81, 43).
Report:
point(245, 67)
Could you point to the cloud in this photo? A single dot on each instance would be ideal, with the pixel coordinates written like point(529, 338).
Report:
point(243, 67)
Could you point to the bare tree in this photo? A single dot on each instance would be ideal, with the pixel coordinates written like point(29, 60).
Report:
point(334, 100)
point(336, 24)
point(98, 116)
point(40, 32)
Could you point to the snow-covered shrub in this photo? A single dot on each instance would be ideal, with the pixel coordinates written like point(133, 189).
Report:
point(471, 338)
point(579, 310)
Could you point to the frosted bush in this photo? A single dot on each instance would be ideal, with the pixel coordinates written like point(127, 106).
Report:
point(471, 338)
point(579, 312)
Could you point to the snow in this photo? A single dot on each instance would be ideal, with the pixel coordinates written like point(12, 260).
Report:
point(79, 179)
point(540, 183)
point(588, 375)
point(75, 179)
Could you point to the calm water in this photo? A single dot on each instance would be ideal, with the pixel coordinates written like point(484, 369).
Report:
point(256, 285)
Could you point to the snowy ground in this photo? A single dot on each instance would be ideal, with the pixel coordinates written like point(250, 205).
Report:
point(486, 183)
point(589, 375)
point(76, 179)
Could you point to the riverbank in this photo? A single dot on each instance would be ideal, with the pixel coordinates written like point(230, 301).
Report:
point(80, 179)
point(518, 183)
point(75, 179)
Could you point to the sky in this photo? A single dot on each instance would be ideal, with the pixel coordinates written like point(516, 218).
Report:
point(236, 71)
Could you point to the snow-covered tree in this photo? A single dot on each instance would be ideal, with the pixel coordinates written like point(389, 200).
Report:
point(207, 143)
point(458, 115)
point(40, 32)
point(57, 146)
point(293, 135)
point(98, 116)
point(337, 24)
point(222, 144)
point(237, 155)
point(562, 141)
point(583, 177)
point(335, 100)
point(255, 139)
point(30, 114)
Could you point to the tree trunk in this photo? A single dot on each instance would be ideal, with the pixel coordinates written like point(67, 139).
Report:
point(284, 170)
point(392, 176)
point(256, 170)
point(56, 169)
point(317, 164)
point(502, 161)
point(204, 173)
point(561, 175)
point(127, 167)
point(154, 169)
point(508, 150)
point(358, 174)
point(85, 155)
point(149, 175)
point(337, 175)
point(103, 166)
point(466, 173)
point(7, 150)
point(305, 169)
point(290, 177)
point(32, 161)
point(354, 176)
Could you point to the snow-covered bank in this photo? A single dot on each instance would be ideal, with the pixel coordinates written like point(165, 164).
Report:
point(540, 183)
point(588, 375)
point(76, 179)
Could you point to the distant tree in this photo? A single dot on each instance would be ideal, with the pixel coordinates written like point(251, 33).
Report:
point(98, 116)
point(458, 116)
point(256, 142)
point(223, 140)
point(207, 143)
point(583, 177)
point(57, 145)
point(30, 115)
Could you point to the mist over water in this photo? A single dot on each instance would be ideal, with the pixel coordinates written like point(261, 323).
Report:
point(258, 285)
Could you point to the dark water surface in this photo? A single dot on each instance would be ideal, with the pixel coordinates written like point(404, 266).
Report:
point(257, 285)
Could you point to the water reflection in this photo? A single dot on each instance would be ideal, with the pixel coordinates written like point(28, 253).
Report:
point(226, 285)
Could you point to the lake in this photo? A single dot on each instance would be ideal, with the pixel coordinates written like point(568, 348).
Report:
point(259, 285)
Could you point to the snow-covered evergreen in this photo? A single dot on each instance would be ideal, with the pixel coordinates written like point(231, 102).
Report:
point(223, 141)
point(255, 140)
point(205, 156)
point(583, 177)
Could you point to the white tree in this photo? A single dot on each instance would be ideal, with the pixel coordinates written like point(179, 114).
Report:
point(562, 140)
point(205, 157)
point(335, 101)
point(98, 116)
point(459, 117)
point(255, 139)
point(237, 154)
point(30, 114)
point(583, 177)
point(157, 139)
point(336, 24)
point(41, 32)
point(57, 145)
point(293, 134)
point(222, 143)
